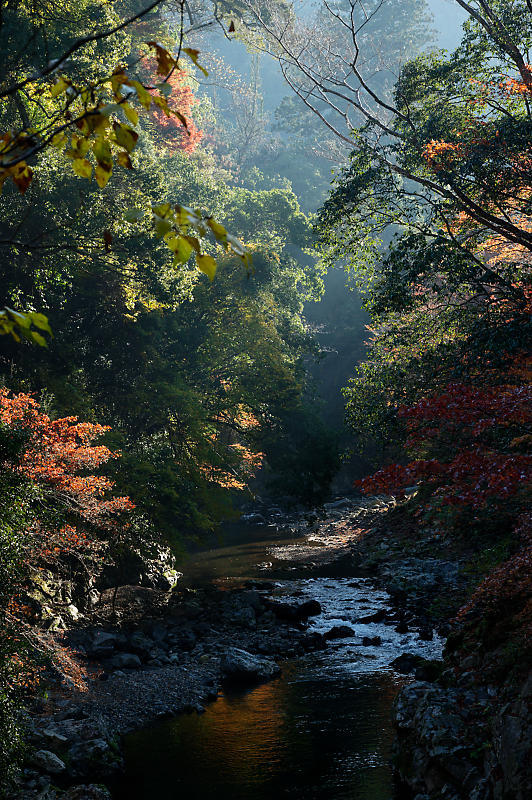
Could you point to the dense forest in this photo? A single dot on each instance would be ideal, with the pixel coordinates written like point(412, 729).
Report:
point(257, 253)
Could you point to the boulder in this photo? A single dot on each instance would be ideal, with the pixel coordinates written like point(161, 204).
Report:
point(140, 644)
point(337, 505)
point(144, 563)
point(407, 663)
point(295, 612)
point(378, 616)
point(313, 641)
point(48, 762)
point(93, 759)
point(53, 737)
point(239, 665)
point(339, 632)
point(103, 643)
point(401, 627)
point(252, 598)
point(371, 641)
point(253, 519)
point(126, 661)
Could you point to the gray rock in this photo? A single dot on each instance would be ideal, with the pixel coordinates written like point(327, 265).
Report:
point(336, 505)
point(253, 519)
point(48, 762)
point(239, 665)
point(159, 633)
point(371, 641)
point(295, 612)
point(140, 644)
point(339, 632)
point(252, 598)
point(126, 661)
point(378, 616)
point(92, 759)
point(243, 616)
point(54, 737)
point(103, 643)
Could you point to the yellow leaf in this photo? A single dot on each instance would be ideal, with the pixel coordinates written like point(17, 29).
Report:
point(102, 175)
point(98, 121)
point(78, 147)
point(124, 159)
point(102, 153)
point(131, 113)
point(144, 96)
point(40, 321)
point(126, 137)
point(22, 175)
point(82, 167)
point(218, 230)
point(117, 79)
point(180, 248)
point(186, 216)
point(236, 245)
point(206, 264)
point(193, 242)
point(162, 210)
point(162, 227)
point(59, 87)
point(83, 126)
point(58, 140)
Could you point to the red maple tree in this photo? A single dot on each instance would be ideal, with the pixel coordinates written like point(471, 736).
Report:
point(57, 457)
point(178, 133)
point(478, 448)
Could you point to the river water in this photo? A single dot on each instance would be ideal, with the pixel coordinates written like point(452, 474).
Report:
point(321, 731)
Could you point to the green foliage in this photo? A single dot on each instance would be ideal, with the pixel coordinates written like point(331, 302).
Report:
point(431, 220)
point(15, 496)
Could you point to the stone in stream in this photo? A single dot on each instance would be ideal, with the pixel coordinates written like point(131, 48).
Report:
point(337, 505)
point(295, 612)
point(239, 665)
point(369, 641)
point(378, 616)
point(339, 632)
point(407, 663)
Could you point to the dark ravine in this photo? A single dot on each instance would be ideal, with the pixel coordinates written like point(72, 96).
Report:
point(457, 735)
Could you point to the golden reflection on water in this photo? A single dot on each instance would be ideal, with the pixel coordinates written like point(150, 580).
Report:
point(244, 738)
point(303, 739)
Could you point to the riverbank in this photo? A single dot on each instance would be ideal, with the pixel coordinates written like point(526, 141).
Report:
point(174, 651)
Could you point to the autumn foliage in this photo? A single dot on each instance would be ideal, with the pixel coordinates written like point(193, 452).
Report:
point(178, 132)
point(478, 444)
point(55, 457)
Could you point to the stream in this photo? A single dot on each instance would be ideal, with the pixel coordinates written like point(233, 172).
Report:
point(321, 731)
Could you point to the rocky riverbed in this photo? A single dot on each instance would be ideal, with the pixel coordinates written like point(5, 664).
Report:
point(458, 736)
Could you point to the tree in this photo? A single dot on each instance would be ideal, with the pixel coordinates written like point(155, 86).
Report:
point(54, 456)
point(88, 109)
point(472, 454)
point(52, 508)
